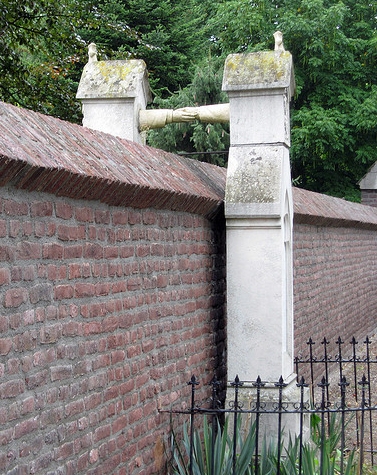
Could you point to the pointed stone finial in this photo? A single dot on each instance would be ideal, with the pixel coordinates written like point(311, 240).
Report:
point(278, 35)
point(92, 53)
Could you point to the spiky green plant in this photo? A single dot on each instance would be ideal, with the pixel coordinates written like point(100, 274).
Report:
point(212, 453)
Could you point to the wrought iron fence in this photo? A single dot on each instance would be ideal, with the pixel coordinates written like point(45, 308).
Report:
point(329, 390)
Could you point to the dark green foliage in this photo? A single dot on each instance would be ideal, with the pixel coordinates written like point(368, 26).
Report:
point(334, 125)
point(40, 52)
point(205, 89)
point(334, 48)
point(168, 36)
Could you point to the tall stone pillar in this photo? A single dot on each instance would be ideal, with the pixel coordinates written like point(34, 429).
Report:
point(112, 94)
point(258, 209)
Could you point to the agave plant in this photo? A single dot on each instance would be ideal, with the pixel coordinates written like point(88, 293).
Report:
point(212, 453)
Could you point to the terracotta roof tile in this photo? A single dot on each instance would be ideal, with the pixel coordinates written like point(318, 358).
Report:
point(45, 154)
point(319, 209)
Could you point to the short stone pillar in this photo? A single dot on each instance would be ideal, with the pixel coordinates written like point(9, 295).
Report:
point(259, 215)
point(112, 94)
point(368, 187)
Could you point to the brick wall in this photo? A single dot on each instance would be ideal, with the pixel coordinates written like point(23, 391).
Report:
point(369, 197)
point(335, 258)
point(105, 314)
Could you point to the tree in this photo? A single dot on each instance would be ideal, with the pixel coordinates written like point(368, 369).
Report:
point(39, 51)
point(213, 139)
point(168, 36)
point(334, 120)
point(43, 46)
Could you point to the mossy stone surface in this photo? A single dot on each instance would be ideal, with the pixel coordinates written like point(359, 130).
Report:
point(112, 79)
point(265, 69)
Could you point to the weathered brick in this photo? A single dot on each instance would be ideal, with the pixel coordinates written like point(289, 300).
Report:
point(61, 372)
point(62, 292)
point(5, 346)
point(29, 250)
point(63, 210)
point(7, 253)
point(41, 208)
point(101, 433)
point(117, 356)
point(40, 229)
point(11, 388)
point(27, 228)
point(92, 401)
point(103, 288)
point(111, 252)
point(53, 251)
point(3, 228)
point(28, 448)
point(70, 233)
point(41, 292)
point(93, 310)
point(84, 214)
point(71, 328)
point(102, 216)
point(6, 436)
point(120, 217)
point(92, 328)
point(29, 272)
point(65, 451)
point(101, 361)
point(92, 251)
point(73, 251)
point(82, 367)
point(134, 217)
point(4, 324)
point(83, 463)
point(26, 427)
point(36, 380)
point(75, 407)
point(15, 297)
point(4, 276)
point(84, 351)
point(85, 290)
point(14, 208)
point(50, 333)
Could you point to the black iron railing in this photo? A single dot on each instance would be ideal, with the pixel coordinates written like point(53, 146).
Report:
point(333, 407)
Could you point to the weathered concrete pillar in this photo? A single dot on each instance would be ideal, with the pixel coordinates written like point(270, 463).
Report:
point(258, 209)
point(259, 216)
point(112, 94)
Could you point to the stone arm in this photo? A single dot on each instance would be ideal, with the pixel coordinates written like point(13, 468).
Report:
point(157, 118)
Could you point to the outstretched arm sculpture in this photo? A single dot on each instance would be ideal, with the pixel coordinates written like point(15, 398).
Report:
point(157, 118)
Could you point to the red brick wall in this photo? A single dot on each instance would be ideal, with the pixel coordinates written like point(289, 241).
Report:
point(335, 285)
point(106, 312)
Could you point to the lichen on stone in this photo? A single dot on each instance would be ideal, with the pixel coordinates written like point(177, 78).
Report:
point(262, 68)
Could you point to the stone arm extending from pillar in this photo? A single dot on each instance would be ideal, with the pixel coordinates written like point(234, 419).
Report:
point(157, 118)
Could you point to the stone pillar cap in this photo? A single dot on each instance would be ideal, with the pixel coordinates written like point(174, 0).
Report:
point(260, 70)
point(114, 79)
point(369, 180)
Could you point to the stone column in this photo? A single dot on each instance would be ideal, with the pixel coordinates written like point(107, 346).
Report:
point(112, 94)
point(258, 210)
point(368, 187)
